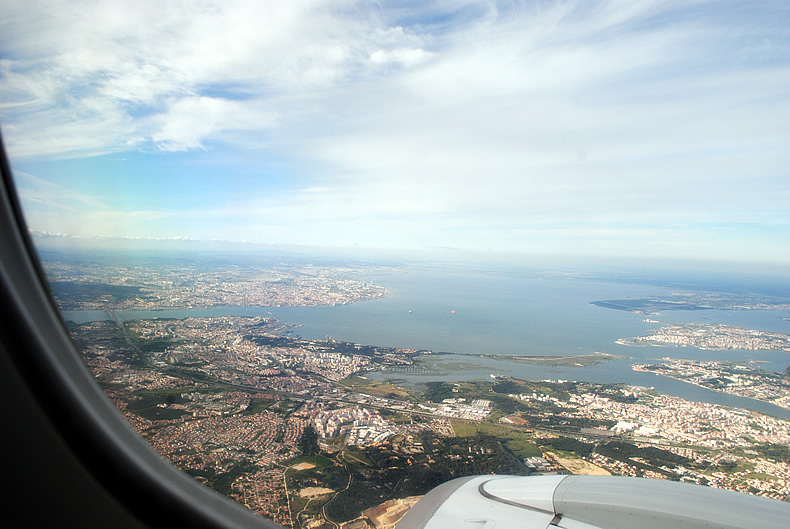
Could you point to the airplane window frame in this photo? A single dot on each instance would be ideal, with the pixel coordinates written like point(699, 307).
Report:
point(37, 343)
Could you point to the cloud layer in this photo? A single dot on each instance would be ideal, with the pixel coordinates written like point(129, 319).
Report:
point(606, 127)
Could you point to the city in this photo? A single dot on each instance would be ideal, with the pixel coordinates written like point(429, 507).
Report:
point(296, 431)
point(728, 377)
point(714, 337)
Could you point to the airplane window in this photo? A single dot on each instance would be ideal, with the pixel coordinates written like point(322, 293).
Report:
point(324, 257)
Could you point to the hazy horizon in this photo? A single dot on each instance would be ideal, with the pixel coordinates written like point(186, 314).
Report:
point(721, 276)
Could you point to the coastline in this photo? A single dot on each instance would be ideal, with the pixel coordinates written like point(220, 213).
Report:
point(692, 383)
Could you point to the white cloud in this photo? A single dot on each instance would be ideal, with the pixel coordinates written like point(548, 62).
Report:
point(467, 122)
point(187, 121)
point(109, 62)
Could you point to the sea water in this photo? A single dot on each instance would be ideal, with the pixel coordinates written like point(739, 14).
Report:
point(470, 314)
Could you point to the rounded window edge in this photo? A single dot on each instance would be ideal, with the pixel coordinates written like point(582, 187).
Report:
point(35, 339)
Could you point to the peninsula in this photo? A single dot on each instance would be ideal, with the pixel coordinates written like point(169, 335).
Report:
point(713, 337)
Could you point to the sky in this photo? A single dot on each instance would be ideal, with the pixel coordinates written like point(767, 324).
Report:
point(604, 129)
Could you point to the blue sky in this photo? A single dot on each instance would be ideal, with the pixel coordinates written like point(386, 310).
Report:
point(614, 129)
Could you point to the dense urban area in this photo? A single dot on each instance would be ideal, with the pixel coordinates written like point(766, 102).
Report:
point(296, 431)
point(714, 337)
point(737, 378)
point(154, 284)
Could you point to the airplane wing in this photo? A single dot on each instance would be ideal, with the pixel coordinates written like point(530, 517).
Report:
point(589, 502)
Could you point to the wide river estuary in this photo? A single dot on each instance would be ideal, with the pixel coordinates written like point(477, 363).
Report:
point(473, 313)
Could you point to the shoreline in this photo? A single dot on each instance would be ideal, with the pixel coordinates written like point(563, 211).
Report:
point(686, 381)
